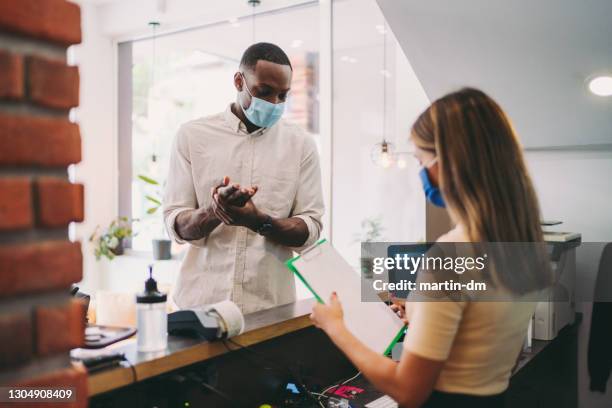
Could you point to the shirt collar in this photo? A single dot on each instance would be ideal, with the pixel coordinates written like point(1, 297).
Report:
point(236, 124)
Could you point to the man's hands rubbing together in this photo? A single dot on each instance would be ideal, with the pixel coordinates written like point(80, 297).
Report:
point(232, 205)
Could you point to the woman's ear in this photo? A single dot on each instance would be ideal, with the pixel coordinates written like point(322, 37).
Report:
point(434, 174)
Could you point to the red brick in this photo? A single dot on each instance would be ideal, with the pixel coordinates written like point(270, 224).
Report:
point(16, 338)
point(39, 267)
point(75, 377)
point(59, 202)
point(11, 75)
point(52, 83)
point(28, 140)
point(54, 20)
point(70, 317)
point(15, 203)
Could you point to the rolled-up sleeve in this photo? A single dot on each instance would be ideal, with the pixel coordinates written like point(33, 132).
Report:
point(179, 192)
point(308, 203)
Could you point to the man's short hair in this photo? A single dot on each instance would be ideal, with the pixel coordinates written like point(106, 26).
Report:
point(264, 51)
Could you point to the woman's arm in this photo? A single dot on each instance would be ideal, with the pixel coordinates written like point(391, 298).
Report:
point(409, 382)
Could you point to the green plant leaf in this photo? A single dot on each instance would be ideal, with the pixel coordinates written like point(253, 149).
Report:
point(148, 179)
point(153, 199)
point(152, 210)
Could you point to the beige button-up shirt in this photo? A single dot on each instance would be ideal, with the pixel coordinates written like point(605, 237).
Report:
point(236, 263)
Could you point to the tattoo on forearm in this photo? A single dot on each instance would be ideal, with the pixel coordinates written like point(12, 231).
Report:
point(291, 232)
point(195, 224)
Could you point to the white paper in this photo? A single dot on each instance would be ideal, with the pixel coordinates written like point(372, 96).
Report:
point(374, 323)
point(231, 315)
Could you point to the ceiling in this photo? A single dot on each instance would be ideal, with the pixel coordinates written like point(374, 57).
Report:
point(532, 56)
point(128, 19)
point(230, 36)
point(294, 27)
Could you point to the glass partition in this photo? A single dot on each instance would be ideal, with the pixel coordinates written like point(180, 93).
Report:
point(376, 95)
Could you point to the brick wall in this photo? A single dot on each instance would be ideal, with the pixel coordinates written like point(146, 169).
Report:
point(39, 322)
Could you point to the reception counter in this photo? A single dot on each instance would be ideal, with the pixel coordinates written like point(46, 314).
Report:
point(279, 346)
point(181, 352)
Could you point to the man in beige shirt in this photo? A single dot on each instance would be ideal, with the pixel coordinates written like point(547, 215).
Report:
point(244, 190)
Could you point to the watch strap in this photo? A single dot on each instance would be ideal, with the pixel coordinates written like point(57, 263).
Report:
point(265, 227)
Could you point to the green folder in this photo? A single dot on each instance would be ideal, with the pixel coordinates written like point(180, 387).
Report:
point(292, 267)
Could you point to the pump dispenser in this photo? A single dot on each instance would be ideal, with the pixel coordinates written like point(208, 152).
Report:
point(152, 318)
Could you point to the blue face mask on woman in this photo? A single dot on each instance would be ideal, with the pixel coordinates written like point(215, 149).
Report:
point(260, 112)
point(432, 193)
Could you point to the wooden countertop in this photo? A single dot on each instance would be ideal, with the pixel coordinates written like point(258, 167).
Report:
point(259, 327)
point(181, 352)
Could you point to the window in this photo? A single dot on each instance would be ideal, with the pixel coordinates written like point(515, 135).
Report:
point(193, 77)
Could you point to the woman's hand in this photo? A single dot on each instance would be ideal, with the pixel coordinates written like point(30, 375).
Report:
point(328, 317)
point(399, 307)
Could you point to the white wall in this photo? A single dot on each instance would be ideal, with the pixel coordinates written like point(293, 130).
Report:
point(95, 57)
point(575, 187)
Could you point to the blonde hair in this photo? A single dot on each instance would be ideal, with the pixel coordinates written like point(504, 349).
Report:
point(486, 186)
point(482, 172)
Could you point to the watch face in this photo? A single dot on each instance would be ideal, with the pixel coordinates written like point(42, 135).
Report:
point(265, 229)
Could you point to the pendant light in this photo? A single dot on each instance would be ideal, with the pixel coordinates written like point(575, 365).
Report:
point(154, 25)
point(253, 4)
point(382, 153)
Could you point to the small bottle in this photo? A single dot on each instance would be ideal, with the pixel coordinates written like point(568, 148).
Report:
point(152, 318)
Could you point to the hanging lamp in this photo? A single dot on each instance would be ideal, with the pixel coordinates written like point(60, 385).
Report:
point(154, 25)
point(382, 153)
point(253, 4)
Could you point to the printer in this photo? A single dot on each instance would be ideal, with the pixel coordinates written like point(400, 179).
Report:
point(560, 310)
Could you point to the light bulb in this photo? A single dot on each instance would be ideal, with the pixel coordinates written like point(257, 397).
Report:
point(385, 160)
point(401, 163)
point(601, 85)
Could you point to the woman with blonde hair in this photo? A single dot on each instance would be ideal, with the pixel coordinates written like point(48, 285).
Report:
point(459, 352)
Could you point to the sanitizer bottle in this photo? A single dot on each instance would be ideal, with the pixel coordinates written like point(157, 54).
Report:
point(152, 318)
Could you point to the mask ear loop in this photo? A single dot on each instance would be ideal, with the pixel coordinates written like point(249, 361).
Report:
point(244, 81)
point(431, 163)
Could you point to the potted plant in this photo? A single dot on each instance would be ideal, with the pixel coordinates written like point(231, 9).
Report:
point(371, 231)
point(162, 245)
point(110, 242)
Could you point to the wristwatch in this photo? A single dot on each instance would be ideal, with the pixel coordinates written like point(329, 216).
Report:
point(266, 227)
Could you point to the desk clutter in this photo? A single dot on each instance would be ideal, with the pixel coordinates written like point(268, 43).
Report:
point(97, 337)
point(200, 386)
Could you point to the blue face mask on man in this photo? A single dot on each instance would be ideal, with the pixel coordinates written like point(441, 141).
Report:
point(432, 193)
point(261, 112)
